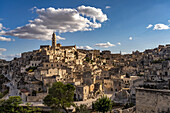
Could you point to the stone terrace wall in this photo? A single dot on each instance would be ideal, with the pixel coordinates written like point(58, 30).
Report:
point(152, 100)
point(38, 98)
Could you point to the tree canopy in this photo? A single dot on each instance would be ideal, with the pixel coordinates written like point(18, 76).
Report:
point(103, 104)
point(11, 105)
point(60, 96)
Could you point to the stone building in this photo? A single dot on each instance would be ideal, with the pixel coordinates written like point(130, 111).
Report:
point(81, 93)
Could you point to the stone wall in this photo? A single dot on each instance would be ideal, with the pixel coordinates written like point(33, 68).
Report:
point(38, 98)
point(152, 100)
point(128, 110)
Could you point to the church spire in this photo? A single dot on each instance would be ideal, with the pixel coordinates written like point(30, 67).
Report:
point(53, 41)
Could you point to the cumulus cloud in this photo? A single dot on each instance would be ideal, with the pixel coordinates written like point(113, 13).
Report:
point(124, 53)
point(33, 8)
point(92, 12)
point(60, 38)
point(1, 26)
point(2, 38)
point(108, 7)
point(2, 49)
point(119, 43)
point(149, 26)
point(130, 38)
point(84, 47)
point(10, 57)
point(105, 45)
point(6, 39)
point(59, 20)
point(161, 27)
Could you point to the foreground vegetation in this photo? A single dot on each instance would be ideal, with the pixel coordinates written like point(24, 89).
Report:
point(12, 105)
point(60, 97)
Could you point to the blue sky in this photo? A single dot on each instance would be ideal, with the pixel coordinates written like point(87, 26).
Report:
point(125, 18)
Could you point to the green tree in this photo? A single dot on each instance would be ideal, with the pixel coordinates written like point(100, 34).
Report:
point(11, 105)
point(82, 109)
point(60, 96)
point(128, 105)
point(30, 109)
point(103, 104)
point(1, 95)
point(87, 59)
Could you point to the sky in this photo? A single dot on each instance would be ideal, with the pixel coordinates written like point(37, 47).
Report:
point(115, 25)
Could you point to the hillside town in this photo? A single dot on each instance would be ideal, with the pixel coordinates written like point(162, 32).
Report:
point(124, 78)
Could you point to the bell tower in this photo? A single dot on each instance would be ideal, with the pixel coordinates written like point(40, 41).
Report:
point(53, 42)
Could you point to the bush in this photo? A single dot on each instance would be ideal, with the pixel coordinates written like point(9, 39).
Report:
point(1, 95)
point(128, 105)
point(31, 69)
point(158, 61)
point(103, 104)
point(140, 75)
point(87, 59)
point(4, 93)
point(82, 109)
point(11, 105)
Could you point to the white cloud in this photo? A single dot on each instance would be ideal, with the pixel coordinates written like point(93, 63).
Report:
point(4, 39)
point(105, 45)
point(59, 20)
point(130, 38)
point(84, 47)
point(60, 38)
point(2, 49)
point(1, 26)
point(33, 8)
point(10, 57)
point(108, 7)
point(124, 53)
point(149, 26)
point(92, 12)
point(161, 27)
point(119, 43)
